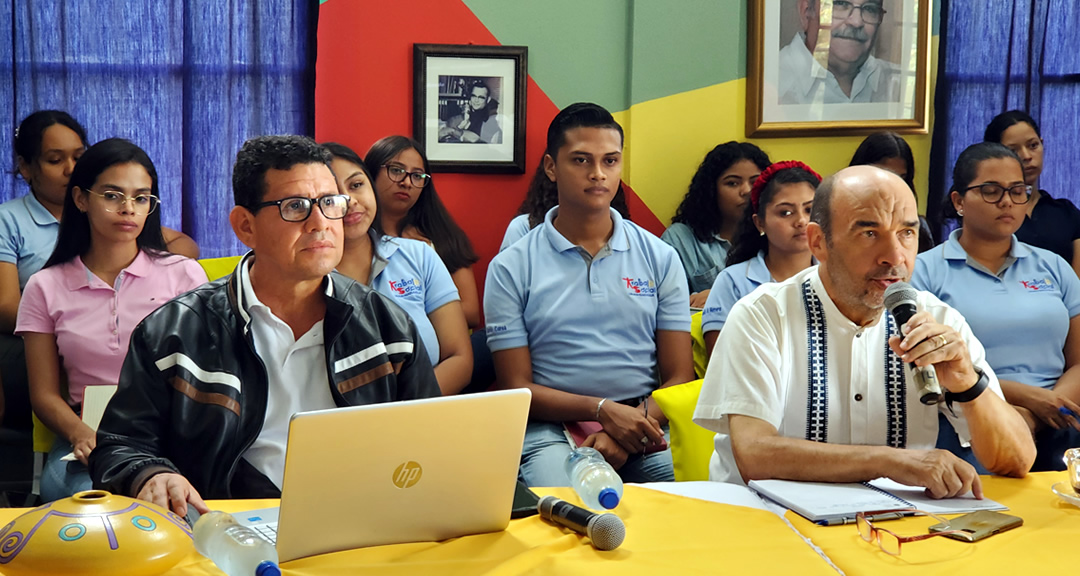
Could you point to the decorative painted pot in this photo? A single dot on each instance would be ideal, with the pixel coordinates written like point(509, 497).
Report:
point(94, 533)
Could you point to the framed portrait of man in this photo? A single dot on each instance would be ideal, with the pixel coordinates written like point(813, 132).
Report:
point(469, 106)
point(834, 67)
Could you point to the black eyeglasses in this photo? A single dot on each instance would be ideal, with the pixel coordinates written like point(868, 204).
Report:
point(992, 193)
point(871, 13)
point(298, 208)
point(397, 174)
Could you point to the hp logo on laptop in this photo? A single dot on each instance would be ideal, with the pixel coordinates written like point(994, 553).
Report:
point(407, 474)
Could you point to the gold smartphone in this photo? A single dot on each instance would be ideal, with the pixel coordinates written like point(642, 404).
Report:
point(978, 525)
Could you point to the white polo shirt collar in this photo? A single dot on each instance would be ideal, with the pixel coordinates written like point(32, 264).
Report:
point(297, 379)
point(246, 294)
point(806, 61)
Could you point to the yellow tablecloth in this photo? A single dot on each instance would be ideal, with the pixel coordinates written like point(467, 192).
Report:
point(669, 534)
point(666, 534)
point(1043, 545)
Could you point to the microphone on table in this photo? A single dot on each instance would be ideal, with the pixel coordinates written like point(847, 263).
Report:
point(900, 299)
point(606, 531)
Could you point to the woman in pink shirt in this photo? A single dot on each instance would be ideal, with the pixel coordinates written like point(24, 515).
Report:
point(110, 269)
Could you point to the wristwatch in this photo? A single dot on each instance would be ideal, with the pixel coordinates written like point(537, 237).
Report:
point(969, 394)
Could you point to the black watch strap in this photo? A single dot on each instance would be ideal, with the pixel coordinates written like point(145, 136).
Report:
point(969, 394)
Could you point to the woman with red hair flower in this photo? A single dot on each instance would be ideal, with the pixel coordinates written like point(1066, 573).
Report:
point(770, 245)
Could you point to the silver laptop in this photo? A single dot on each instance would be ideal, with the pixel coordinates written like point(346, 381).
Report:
point(414, 471)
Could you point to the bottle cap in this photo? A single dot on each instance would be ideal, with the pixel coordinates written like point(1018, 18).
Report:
point(609, 498)
point(267, 568)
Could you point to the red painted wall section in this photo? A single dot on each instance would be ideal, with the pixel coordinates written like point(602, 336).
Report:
point(363, 91)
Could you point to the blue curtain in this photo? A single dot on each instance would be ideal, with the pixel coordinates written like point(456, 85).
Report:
point(188, 81)
point(998, 55)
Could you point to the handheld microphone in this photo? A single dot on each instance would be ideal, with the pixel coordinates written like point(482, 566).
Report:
point(606, 531)
point(900, 299)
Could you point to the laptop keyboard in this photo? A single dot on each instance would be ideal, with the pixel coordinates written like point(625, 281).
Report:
point(267, 532)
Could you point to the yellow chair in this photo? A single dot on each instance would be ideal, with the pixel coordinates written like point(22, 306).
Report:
point(701, 357)
point(218, 267)
point(43, 441)
point(691, 445)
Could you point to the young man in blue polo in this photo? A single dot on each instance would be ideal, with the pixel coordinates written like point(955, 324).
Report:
point(590, 312)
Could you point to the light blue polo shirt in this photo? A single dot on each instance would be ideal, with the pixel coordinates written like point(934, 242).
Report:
point(517, 230)
point(589, 322)
point(415, 278)
point(27, 235)
point(1021, 315)
point(733, 283)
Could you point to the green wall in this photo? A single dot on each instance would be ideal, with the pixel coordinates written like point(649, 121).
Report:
point(618, 53)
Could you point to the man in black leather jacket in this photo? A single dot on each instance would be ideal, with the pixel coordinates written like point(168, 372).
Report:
point(212, 377)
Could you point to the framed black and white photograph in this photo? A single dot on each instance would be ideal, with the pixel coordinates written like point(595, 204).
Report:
point(469, 106)
point(837, 67)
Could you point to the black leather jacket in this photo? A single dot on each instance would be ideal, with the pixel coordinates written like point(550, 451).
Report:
point(192, 395)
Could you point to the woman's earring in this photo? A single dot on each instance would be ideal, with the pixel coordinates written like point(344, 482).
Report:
point(960, 212)
point(761, 233)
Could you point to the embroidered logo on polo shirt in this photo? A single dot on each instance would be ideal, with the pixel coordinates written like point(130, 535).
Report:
point(640, 287)
point(1038, 285)
point(406, 286)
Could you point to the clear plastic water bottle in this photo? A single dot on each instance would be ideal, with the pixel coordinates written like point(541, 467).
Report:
point(237, 550)
point(595, 481)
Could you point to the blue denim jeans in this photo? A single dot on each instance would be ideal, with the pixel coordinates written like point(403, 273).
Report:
point(948, 440)
point(61, 479)
point(16, 389)
point(543, 459)
point(1050, 446)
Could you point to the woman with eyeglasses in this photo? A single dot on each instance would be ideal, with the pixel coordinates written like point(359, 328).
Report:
point(109, 270)
point(407, 271)
point(1050, 223)
point(1022, 302)
point(409, 207)
point(47, 145)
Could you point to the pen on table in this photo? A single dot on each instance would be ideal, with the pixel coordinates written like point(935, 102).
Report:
point(875, 518)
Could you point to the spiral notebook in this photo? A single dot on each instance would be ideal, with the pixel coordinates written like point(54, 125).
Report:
point(826, 503)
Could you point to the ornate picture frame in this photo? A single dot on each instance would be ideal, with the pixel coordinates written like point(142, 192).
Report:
point(837, 67)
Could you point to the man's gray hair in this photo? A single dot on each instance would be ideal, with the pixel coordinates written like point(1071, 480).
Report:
point(821, 212)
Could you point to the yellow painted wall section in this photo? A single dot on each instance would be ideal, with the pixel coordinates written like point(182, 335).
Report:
point(667, 138)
